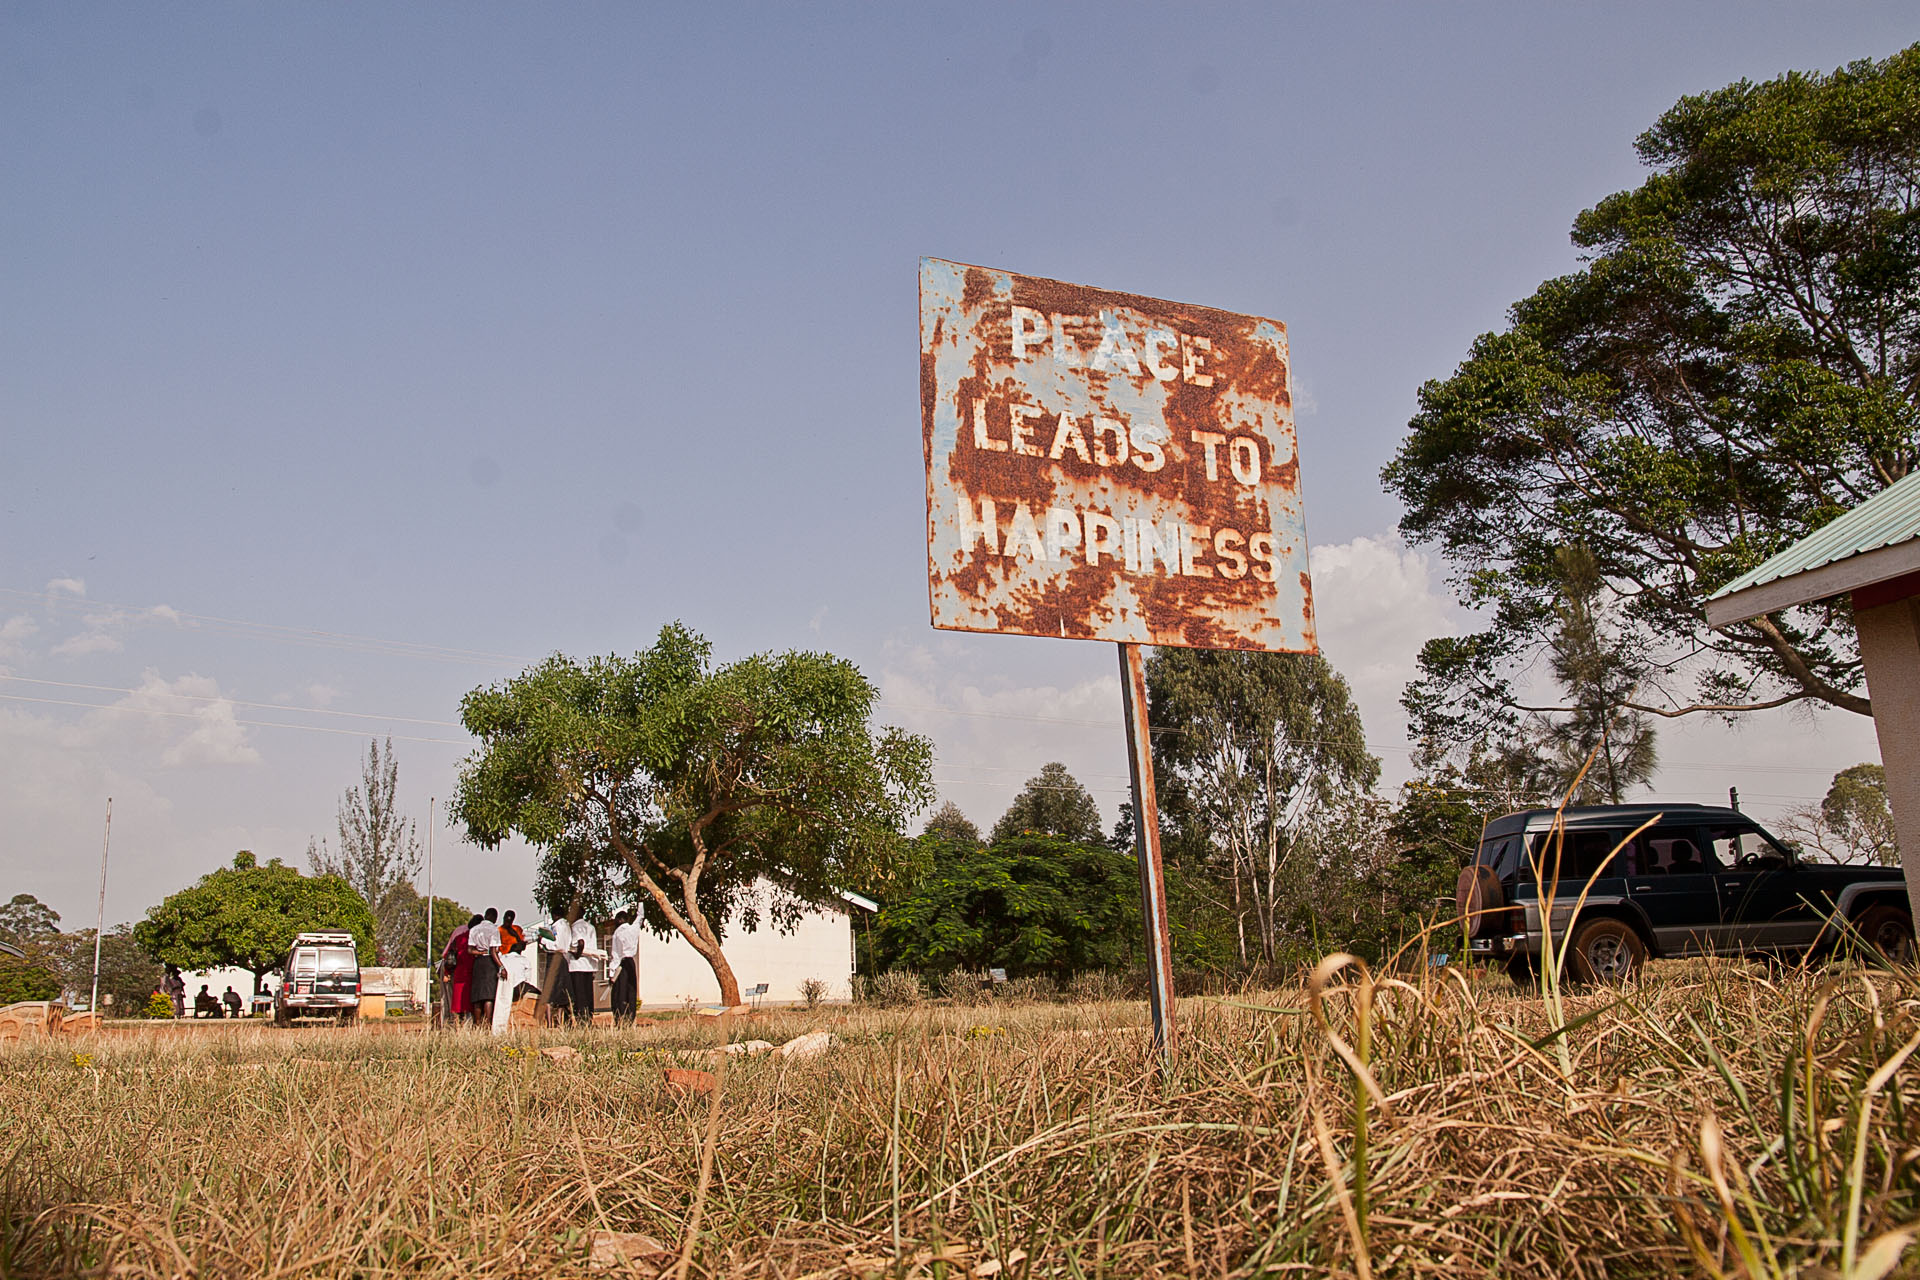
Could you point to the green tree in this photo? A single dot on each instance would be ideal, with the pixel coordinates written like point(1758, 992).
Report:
point(448, 915)
point(24, 918)
point(26, 979)
point(33, 927)
point(952, 826)
point(1735, 365)
point(1053, 803)
point(1853, 823)
point(701, 780)
point(127, 972)
point(248, 914)
point(379, 851)
point(1029, 904)
point(1244, 742)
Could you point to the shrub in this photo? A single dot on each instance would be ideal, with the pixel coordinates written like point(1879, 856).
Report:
point(1098, 986)
point(896, 988)
point(158, 1006)
point(813, 991)
point(966, 986)
point(1036, 986)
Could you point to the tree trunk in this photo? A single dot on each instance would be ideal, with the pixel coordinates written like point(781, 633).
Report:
point(723, 972)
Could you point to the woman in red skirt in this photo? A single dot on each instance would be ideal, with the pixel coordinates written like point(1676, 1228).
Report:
point(457, 963)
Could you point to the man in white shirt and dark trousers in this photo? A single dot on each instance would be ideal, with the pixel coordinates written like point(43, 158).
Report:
point(583, 956)
point(623, 958)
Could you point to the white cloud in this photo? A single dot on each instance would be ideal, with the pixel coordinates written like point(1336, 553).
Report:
point(14, 633)
point(166, 613)
point(1375, 602)
point(101, 635)
point(215, 737)
point(992, 733)
point(67, 586)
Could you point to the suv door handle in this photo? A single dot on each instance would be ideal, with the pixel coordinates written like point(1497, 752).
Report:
point(1733, 884)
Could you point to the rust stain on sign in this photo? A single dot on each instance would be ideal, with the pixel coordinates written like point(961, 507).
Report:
point(1103, 466)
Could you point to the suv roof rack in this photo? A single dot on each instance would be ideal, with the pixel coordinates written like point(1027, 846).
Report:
point(327, 937)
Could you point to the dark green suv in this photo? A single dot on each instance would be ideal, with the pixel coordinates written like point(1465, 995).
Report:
point(1699, 881)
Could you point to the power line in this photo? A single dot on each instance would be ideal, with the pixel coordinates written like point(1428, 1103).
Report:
point(194, 715)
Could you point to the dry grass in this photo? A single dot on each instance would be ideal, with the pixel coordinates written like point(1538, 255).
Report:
point(1715, 1119)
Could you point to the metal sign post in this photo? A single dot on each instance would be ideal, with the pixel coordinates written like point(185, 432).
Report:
point(1108, 466)
point(1146, 823)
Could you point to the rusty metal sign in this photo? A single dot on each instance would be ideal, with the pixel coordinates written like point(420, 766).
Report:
point(1103, 466)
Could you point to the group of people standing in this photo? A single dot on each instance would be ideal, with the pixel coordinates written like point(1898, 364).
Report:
point(488, 964)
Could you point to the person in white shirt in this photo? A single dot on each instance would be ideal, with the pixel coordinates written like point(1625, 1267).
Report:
point(623, 959)
point(483, 941)
point(583, 961)
point(556, 940)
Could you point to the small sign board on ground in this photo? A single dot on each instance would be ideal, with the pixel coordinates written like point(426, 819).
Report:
point(1105, 466)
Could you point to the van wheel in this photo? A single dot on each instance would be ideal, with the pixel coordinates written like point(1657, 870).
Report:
point(347, 1017)
point(1606, 951)
point(1888, 930)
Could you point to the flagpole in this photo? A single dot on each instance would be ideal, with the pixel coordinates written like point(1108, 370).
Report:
point(100, 917)
point(432, 960)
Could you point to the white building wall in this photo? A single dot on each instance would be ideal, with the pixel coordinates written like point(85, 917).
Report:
point(820, 946)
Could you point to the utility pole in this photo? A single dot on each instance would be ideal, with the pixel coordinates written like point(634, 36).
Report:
point(100, 917)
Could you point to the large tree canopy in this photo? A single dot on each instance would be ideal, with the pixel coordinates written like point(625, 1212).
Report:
point(1737, 363)
point(248, 914)
point(1027, 904)
point(701, 780)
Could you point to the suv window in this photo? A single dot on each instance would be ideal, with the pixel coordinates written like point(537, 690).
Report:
point(1677, 851)
point(338, 960)
point(1730, 844)
point(1581, 853)
point(1503, 854)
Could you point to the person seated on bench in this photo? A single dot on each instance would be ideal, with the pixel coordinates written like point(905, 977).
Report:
point(204, 1005)
point(232, 1000)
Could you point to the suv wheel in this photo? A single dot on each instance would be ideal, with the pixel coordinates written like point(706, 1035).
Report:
point(1888, 930)
point(1606, 951)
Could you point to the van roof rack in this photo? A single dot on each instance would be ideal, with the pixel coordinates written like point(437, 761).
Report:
point(328, 936)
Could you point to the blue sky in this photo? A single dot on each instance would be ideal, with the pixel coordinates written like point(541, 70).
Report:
point(355, 354)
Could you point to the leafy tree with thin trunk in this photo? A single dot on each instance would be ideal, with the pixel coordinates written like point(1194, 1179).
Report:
point(1245, 741)
point(701, 780)
point(247, 915)
point(1052, 803)
point(1737, 362)
point(379, 851)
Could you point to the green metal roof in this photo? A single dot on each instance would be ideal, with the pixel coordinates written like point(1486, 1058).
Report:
point(1889, 517)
